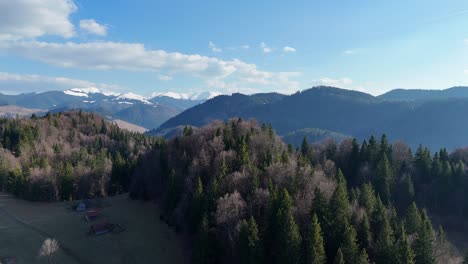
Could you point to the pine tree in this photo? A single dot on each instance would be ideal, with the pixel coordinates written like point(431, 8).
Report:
point(315, 245)
point(367, 199)
point(290, 239)
point(384, 243)
point(305, 147)
point(319, 207)
point(424, 243)
point(349, 244)
point(339, 216)
point(364, 233)
point(383, 179)
point(205, 248)
point(339, 259)
point(197, 204)
point(404, 252)
point(249, 242)
point(363, 257)
point(412, 219)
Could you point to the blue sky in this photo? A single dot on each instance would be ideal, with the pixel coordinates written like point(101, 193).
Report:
point(232, 46)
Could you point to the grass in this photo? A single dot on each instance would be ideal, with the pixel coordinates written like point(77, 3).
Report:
point(24, 226)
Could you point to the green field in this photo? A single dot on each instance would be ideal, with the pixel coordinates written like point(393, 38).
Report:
point(25, 225)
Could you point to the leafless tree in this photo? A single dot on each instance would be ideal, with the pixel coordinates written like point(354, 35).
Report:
point(48, 249)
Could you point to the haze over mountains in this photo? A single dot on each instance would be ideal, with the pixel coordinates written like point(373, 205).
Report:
point(433, 118)
point(130, 107)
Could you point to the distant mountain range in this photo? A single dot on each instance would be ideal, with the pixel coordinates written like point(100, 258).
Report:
point(433, 118)
point(129, 107)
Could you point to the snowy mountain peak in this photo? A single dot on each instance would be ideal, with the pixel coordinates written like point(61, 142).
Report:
point(186, 96)
point(85, 92)
point(132, 96)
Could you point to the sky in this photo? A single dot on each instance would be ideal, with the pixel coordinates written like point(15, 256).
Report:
point(150, 46)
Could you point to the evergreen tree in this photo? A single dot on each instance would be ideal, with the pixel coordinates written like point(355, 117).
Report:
point(339, 259)
point(383, 179)
point(384, 243)
point(305, 147)
point(404, 252)
point(339, 216)
point(364, 233)
point(424, 243)
point(249, 242)
point(197, 204)
point(367, 199)
point(349, 244)
point(315, 253)
point(363, 258)
point(412, 219)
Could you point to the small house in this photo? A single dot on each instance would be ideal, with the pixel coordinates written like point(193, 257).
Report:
point(91, 215)
point(101, 228)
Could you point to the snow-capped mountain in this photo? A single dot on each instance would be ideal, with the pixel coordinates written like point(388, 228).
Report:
point(85, 92)
point(195, 96)
point(132, 97)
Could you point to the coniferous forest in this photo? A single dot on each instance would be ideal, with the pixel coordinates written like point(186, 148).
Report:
point(244, 196)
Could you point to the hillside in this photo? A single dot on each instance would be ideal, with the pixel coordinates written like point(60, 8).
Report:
point(129, 107)
point(244, 196)
point(425, 95)
point(65, 156)
point(346, 112)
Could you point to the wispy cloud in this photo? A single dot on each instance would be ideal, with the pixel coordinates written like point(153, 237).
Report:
point(213, 47)
point(12, 83)
point(265, 48)
point(92, 27)
point(350, 52)
point(163, 77)
point(289, 49)
point(340, 82)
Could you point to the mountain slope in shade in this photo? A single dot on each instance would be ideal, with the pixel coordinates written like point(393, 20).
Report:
point(432, 123)
point(128, 107)
point(424, 95)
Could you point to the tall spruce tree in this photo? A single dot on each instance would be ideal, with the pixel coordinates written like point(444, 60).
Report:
point(412, 219)
point(315, 253)
point(249, 247)
point(424, 243)
point(404, 252)
point(339, 259)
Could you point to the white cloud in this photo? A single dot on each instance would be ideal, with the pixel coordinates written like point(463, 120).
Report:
point(289, 49)
point(349, 52)
point(163, 77)
point(27, 19)
point(466, 41)
point(265, 48)
point(213, 47)
point(92, 27)
point(342, 82)
point(466, 72)
point(12, 83)
point(135, 57)
point(245, 47)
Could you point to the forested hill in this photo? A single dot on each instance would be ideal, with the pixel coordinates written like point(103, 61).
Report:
point(247, 197)
point(64, 156)
point(434, 123)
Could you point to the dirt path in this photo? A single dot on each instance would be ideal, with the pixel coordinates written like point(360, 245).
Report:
point(65, 249)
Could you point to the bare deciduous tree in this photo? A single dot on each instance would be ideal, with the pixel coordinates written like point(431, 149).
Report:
point(48, 249)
